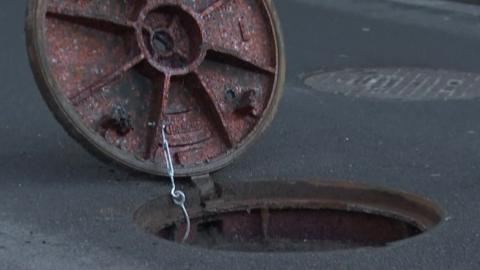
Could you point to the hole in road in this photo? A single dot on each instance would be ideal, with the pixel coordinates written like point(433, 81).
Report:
point(294, 217)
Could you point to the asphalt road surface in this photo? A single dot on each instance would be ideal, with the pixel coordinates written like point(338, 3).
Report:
point(61, 208)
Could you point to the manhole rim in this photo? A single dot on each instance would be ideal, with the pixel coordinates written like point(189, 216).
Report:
point(223, 206)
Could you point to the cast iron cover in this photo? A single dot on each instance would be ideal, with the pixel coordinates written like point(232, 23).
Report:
point(115, 71)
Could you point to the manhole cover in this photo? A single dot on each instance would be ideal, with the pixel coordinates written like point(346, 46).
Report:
point(410, 84)
point(294, 216)
point(116, 72)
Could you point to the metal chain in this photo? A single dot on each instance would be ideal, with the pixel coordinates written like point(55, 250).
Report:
point(178, 196)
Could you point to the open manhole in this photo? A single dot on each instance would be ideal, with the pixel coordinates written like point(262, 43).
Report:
point(206, 77)
point(293, 216)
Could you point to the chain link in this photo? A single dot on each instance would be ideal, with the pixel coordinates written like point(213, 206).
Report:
point(178, 197)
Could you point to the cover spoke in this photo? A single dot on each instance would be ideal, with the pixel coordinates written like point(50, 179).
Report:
point(107, 22)
point(212, 8)
point(158, 105)
point(230, 57)
point(96, 86)
point(221, 123)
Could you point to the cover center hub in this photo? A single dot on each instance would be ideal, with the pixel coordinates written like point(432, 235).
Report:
point(171, 38)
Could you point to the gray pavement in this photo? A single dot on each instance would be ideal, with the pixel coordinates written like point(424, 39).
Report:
point(60, 208)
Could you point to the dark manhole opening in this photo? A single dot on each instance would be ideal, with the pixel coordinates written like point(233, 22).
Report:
point(311, 217)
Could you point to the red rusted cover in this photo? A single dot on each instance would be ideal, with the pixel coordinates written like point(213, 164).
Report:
point(114, 72)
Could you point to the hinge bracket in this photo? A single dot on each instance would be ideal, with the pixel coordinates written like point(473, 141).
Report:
point(206, 186)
